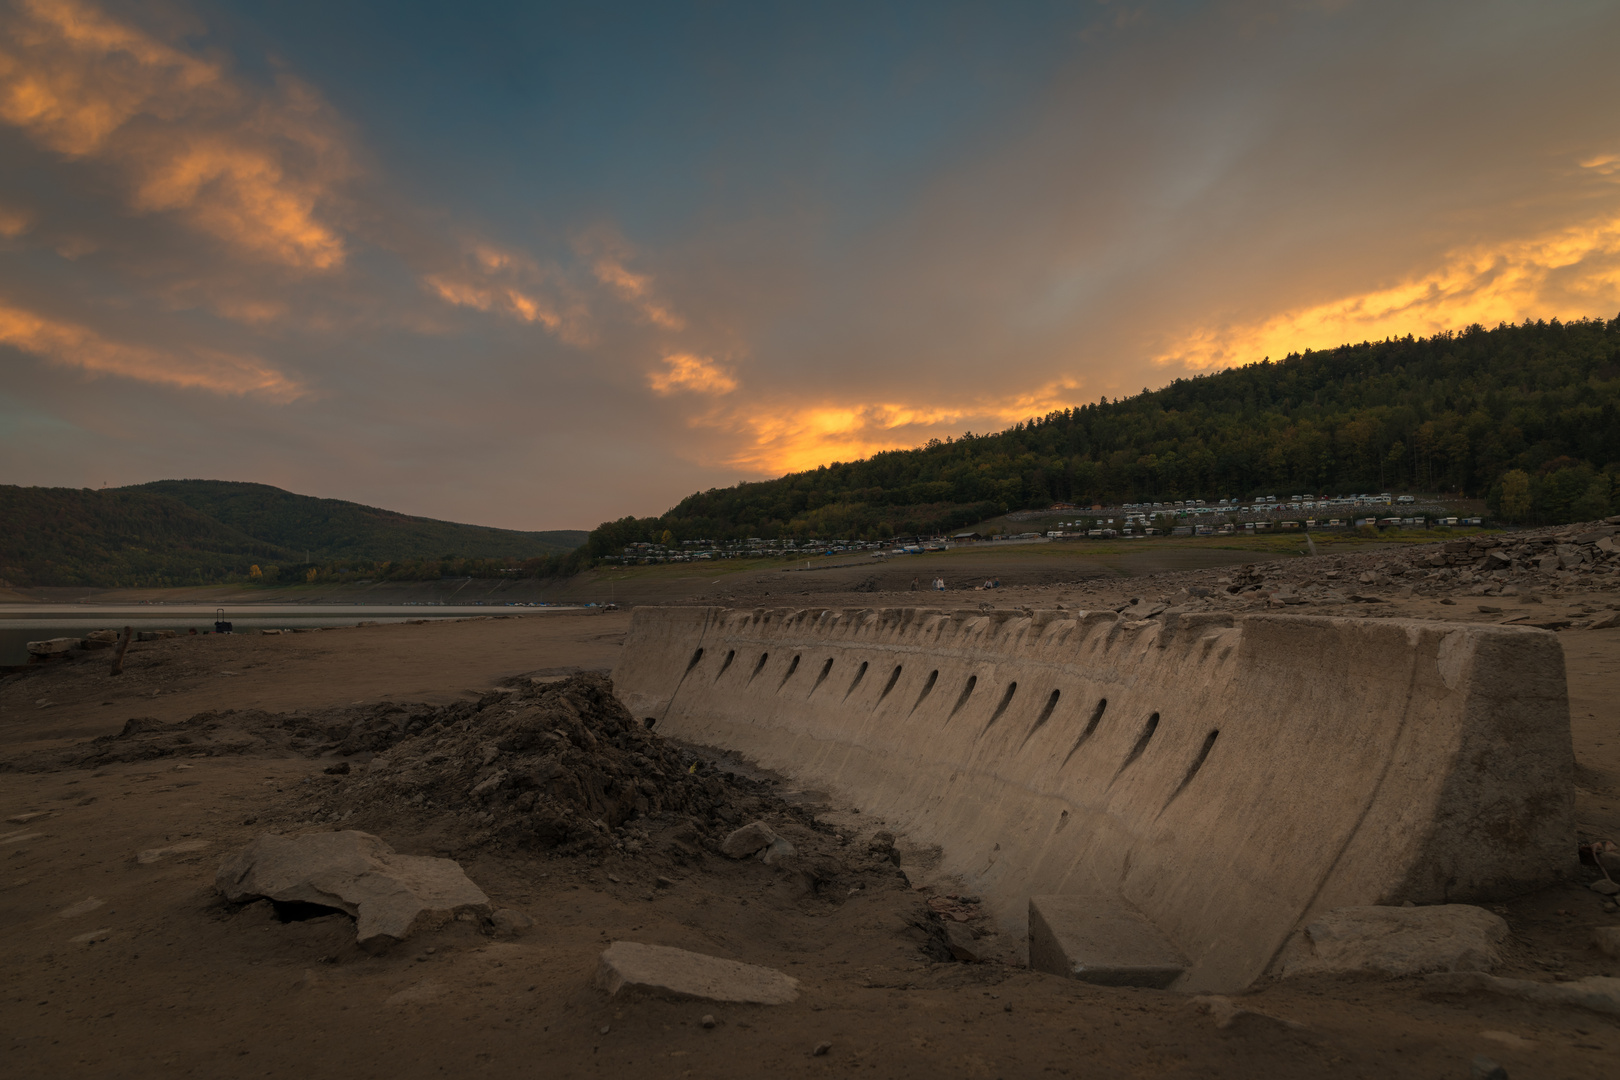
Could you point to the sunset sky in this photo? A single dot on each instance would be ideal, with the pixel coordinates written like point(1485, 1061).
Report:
point(540, 265)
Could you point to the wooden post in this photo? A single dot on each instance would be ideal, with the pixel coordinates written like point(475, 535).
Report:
point(123, 643)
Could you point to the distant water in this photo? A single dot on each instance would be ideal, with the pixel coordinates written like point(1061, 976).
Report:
point(22, 623)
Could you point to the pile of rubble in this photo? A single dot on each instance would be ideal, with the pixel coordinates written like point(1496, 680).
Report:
point(1567, 560)
point(557, 766)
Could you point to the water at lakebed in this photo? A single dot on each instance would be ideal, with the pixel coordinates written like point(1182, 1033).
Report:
point(22, 623)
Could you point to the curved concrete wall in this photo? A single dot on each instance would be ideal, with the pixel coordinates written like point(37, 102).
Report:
point(1229, 777)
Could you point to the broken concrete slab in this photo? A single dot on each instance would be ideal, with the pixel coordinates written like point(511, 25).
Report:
point(670, 972)
point(747, 840)
point(1396, 941)
point(1100, 940)
point(390, 895)
point(1599, 993)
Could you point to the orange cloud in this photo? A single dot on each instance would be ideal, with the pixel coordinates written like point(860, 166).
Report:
point(13, 223)
point(1568, 272)
point(252, 169)
point(70, 345)
point(607, 253)
point(514, 285)
point(683, 371)
point(780, 437)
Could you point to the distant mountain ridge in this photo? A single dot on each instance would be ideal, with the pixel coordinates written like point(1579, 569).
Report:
point(174, 532)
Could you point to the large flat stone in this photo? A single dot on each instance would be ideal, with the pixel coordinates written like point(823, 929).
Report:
point(1396, 941)
point(669, 972)
point(390, 895)
point(1100, 940)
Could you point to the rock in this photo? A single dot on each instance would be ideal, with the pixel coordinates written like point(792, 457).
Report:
point(390, 895)
point(963, 945)
point(92, 937)
point(1599, 993)
point(1229, 1014)
point(708, 1020)
point(1100, 939)
point(83, 907)
point(1605, 887)
point(23, 819)
point(1397, 941)
point(340, 769)
point(881, 844)
point(1604, 622)
point(152, 855)
point(423, 992)
point(778, 853)
point(1483, 1068)
point(821, 1049)
point(747, 840)
point(1607, 940)
point(511, 922)
point(53, 646)
point(664, 971)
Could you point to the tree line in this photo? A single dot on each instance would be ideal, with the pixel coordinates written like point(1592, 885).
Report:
point(1526, 416)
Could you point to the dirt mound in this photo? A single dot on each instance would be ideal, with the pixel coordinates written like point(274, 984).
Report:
point(563, 765)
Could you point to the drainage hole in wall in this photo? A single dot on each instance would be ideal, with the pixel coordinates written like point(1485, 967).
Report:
point(1006, 699)
point(1046, 714)
point(793, 665)
point(933, 677)
point(967, 691)
point(1091, 727)
point(894, 677)
point(822, 677)
point(1141, 742)
point(856, 681)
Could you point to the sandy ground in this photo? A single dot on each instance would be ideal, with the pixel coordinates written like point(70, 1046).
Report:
point(178, 984)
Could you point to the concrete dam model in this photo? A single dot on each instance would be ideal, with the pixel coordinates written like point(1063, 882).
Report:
point(1168, 799)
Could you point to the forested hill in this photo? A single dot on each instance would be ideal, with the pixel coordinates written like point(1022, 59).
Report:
point(1453, 413)
point(178, 532)
point(335, 529)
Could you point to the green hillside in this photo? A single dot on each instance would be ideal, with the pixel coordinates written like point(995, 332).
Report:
point(333, 529)
point(1536, 406)
point(179, 532)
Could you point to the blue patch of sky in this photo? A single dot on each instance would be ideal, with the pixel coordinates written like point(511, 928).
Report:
point(659, 117)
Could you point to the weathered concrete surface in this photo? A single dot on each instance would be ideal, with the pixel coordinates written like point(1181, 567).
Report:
point(1396, 941)
point(1100, 940)
point(1231, 777)
point(390, 895)
point(661, 970)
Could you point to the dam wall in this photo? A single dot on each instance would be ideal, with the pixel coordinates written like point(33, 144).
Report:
point(1228, 777)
